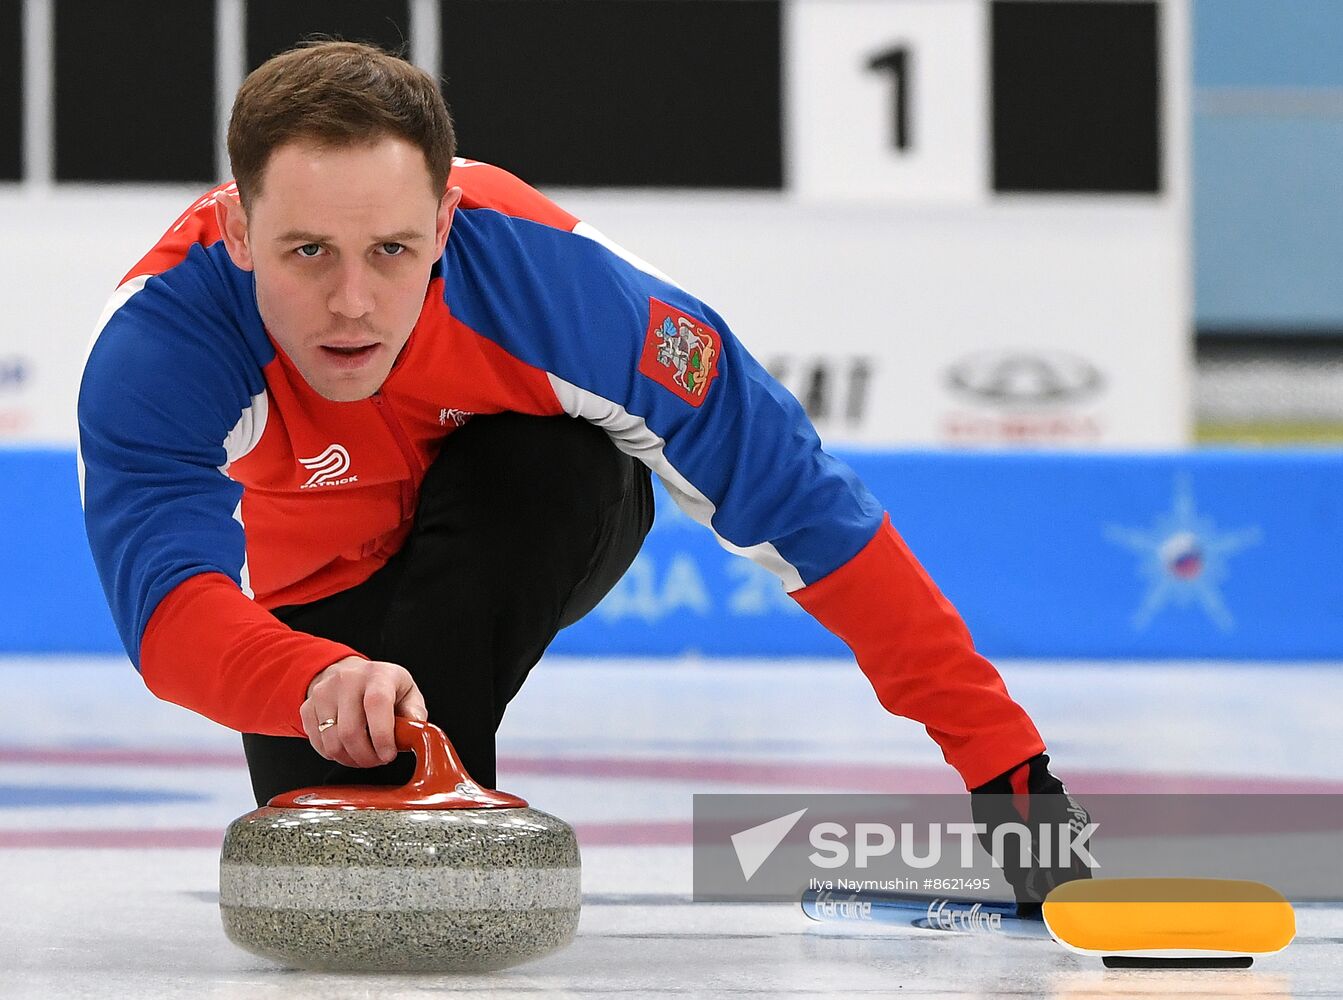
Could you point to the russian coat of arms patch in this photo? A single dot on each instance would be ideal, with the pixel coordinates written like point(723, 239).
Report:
point(680, 352)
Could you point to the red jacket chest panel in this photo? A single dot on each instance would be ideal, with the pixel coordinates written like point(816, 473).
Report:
point(330, 489)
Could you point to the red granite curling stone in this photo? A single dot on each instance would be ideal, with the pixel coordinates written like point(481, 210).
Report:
point(440, 875)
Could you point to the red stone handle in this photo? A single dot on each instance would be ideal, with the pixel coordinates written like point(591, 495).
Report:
point(439, 781)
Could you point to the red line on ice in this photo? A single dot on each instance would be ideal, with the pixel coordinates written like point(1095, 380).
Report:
point(631, 834)
point(132, 839)
point(794, 775)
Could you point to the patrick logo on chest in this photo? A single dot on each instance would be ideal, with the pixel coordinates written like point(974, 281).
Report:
point(328, 468)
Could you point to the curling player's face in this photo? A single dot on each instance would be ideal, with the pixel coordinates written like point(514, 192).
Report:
point(341, 241)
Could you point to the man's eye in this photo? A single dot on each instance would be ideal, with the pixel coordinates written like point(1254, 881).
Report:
point(393, 249)
point(308, 250)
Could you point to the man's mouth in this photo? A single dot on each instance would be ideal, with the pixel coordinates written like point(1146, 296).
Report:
point(348, 354)
point(348, 348)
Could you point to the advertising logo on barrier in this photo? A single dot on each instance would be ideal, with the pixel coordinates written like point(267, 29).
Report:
point(1115, 556)
point(1022, 396)
point(13, 372)
point(836, 390)
point(1184, 559)
point(15, 379)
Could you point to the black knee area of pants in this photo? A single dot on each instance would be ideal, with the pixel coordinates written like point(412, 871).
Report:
point(522, 476)
point(545, 500)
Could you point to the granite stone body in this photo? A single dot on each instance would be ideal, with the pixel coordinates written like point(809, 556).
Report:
point(421, 890)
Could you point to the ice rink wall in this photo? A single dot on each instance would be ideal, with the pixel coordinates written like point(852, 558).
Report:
point(1222, 554)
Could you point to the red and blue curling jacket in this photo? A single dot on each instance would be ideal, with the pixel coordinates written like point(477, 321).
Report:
point(217, 484)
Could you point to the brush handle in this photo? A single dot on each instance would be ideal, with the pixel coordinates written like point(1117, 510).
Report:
point(942, 913)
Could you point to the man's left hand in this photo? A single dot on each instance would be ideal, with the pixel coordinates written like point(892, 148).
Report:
point(1031, 796)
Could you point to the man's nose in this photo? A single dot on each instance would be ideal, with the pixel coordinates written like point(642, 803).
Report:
point(352, 295)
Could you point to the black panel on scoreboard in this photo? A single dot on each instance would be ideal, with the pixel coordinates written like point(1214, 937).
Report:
point(650, 93)
point(273, 27)
point(11, 90)
point(135, 90)
point(1076, 96)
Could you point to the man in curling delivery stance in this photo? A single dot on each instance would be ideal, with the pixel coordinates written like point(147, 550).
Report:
point(371, 424)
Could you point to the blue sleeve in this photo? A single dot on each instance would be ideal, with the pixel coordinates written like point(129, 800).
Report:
point(167, 379)
point(739, 453)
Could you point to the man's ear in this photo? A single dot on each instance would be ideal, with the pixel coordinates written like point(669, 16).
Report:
point(451, 198)
point(232, 220)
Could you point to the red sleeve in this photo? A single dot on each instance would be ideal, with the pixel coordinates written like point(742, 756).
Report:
point(209, 648)
point(918, 654)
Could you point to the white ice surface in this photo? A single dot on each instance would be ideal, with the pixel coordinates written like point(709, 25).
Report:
point(142, 921)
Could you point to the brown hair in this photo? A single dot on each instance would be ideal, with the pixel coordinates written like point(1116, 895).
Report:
point(336, 93)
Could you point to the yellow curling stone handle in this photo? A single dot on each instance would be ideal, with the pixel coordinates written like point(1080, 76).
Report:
point(1169, 917)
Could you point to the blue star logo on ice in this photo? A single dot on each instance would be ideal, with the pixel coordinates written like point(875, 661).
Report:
point(1184, 558)
point(755, 845)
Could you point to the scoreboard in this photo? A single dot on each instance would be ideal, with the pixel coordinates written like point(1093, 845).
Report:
point(982, 238)
point(956, 100)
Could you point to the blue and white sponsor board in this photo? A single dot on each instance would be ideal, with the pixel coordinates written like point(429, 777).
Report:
point(1217, 554)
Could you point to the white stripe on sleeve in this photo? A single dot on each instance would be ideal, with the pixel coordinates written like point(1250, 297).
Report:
point(632, 435)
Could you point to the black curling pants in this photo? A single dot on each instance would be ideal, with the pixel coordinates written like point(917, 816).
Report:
point(523, 525)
